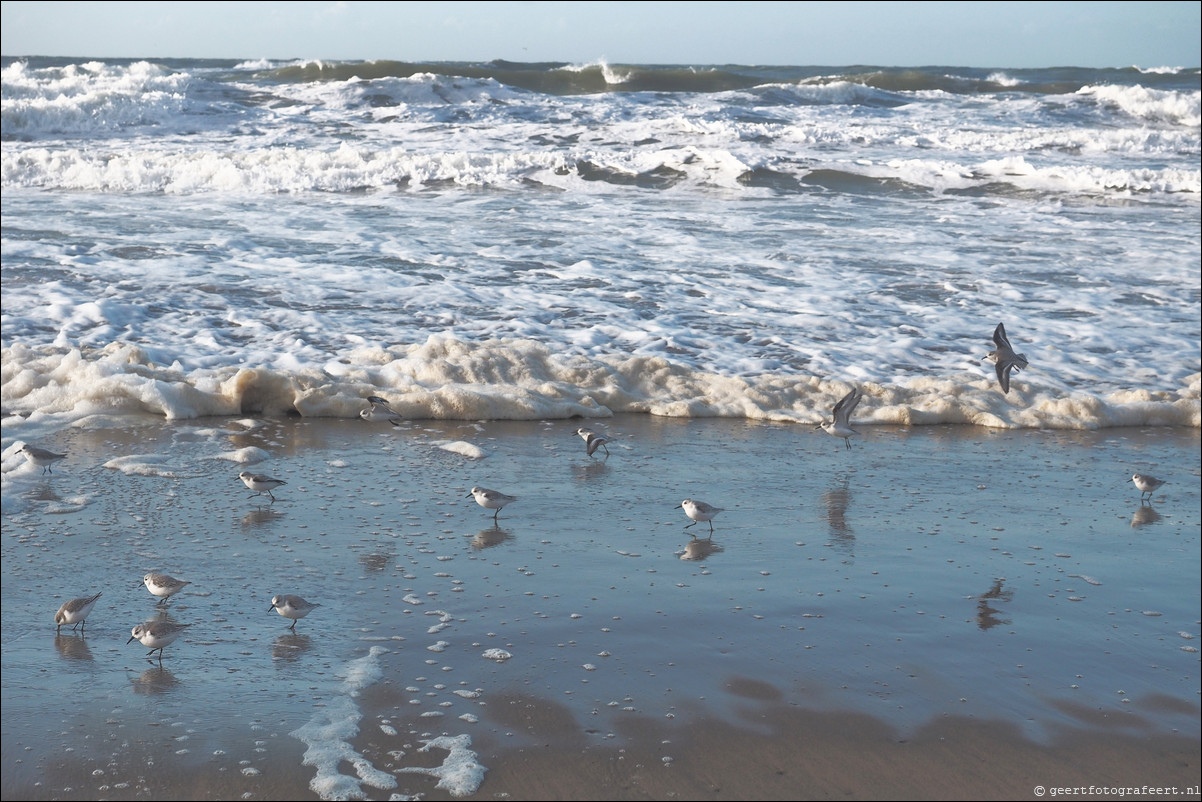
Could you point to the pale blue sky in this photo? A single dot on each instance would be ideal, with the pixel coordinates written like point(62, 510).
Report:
point(968, 34)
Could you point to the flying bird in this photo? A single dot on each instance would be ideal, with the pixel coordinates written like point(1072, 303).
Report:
point(1004, 358)
point(380, 411)
point(840, 423)
point(593, 441)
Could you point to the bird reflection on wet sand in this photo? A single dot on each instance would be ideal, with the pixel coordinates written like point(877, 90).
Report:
point(376, 561)
point(584, 471)
point(986, 615)
point(154, 680)
point(834, 503)
point(72, 647)
point(699, 549)
point(487, 538)
point(290, 646)
point(1145, 515)
point(43, 492)
point(260, 516)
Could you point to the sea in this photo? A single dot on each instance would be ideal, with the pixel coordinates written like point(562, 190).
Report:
point(209, 266)
point(524, 241)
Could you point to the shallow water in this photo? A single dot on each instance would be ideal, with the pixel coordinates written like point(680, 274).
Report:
point(928, 572)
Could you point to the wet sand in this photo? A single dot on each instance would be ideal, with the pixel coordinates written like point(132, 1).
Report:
point(809, 755)
point(942, 612)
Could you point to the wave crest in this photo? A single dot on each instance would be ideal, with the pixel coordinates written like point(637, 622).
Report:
point(449, 379)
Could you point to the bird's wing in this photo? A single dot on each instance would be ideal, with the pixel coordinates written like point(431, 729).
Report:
point(845, 406)
point(1003, 374)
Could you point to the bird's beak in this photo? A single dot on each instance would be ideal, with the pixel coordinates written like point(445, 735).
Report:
point(131, 640)
point(272, 607)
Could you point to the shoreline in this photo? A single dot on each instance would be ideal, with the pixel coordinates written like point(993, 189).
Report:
point(937, 613)
point(536, 750)
point(786, 753)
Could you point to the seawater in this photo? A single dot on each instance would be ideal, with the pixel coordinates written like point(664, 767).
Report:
point(527, 241)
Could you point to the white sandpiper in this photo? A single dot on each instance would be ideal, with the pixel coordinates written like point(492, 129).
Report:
point(379, 411)
point(261, 483)
point(291, 606)
point(154, 635)
point(490, 499)
point(840, 423)
point(75, 612)
point(592, 441)
point(699, 511)
point(163, 586)
point(41, 457)
point(1147, 485)
point(1004, 358)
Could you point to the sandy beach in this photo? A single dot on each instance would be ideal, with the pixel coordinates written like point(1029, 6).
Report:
point(941, 612)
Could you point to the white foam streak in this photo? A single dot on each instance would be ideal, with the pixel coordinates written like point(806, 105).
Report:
point(460, 773)
point(244, 456)
point(143, 465)
point(328, 735)
point(468, 450)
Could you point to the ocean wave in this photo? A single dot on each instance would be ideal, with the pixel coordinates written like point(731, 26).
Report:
point(556, 78)
point(449, 379)
point(88, 98)
point(1142, 103)
point(348, 169)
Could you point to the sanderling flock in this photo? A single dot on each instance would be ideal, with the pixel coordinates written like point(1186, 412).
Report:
point(159, 633)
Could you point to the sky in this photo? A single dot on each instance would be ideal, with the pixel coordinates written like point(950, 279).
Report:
point(1147, 34)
